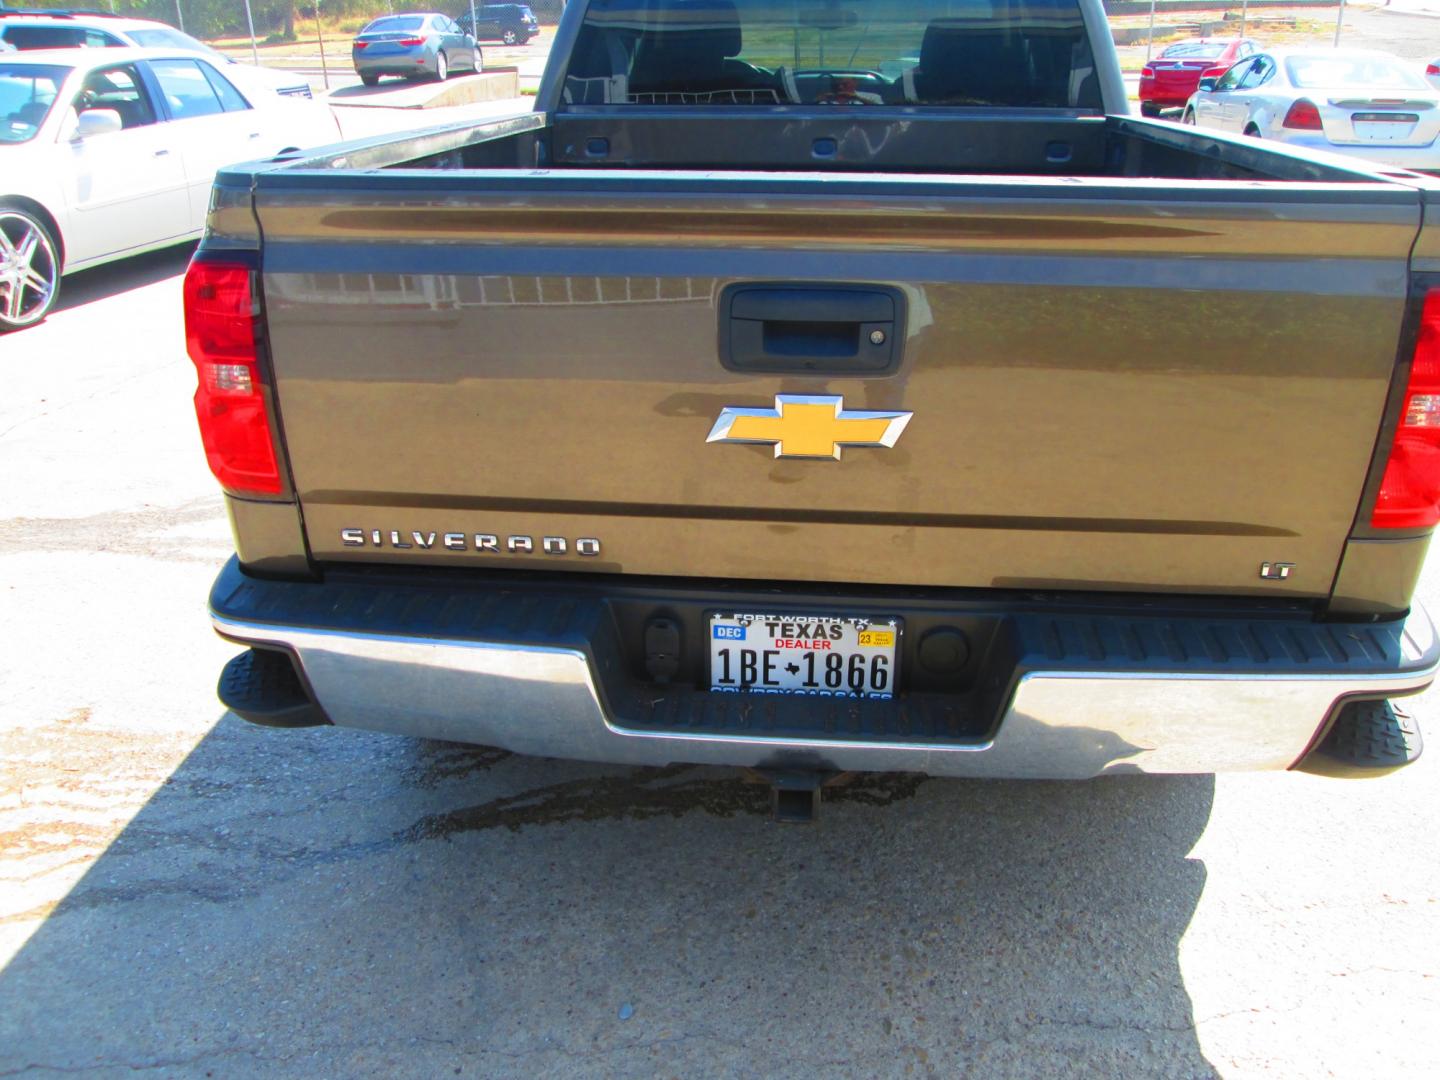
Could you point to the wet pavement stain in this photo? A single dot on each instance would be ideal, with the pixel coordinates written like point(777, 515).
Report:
point(874, 789)
point(641, 794)
point(644, 794)
point(441, 762)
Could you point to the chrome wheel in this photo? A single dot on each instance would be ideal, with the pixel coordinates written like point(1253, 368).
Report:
point(479, 61)
point(510, 37)
point(440, 72)
point(29, 270)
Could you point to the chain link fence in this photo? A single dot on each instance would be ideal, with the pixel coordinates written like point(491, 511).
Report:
point(275, 20)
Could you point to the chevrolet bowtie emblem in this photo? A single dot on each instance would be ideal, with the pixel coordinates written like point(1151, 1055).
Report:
point(808, 427)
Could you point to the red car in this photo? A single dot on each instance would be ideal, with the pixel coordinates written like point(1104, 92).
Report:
point(1167, 81)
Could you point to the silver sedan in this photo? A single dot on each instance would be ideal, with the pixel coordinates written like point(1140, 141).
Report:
point(426, 45)
point(1352, 101)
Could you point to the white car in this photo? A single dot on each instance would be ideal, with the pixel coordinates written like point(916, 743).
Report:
point(26, 30)
point(109, 152)
point(1352, 101)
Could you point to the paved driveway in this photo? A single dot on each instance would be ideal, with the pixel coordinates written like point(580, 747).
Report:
point(183, 893)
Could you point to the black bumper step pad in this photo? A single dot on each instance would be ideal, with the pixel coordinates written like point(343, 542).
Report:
point(1368, 738)
point(262, 686)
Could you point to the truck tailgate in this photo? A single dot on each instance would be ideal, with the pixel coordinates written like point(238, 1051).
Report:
point(1114, 384)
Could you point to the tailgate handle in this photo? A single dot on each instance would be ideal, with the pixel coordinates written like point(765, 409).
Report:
point(824, 329)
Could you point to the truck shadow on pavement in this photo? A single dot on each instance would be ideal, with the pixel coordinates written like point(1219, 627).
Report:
point(337, 903)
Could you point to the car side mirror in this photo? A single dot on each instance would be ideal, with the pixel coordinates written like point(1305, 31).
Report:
point(1207, 84)
point(97, 122)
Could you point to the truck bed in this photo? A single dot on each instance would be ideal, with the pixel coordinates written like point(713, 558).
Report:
point(1014, 143)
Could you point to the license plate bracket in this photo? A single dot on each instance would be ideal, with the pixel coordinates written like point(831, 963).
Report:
point(804, 653)
point(1377, 127)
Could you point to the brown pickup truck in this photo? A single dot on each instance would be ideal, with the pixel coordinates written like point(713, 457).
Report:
point(826, 387)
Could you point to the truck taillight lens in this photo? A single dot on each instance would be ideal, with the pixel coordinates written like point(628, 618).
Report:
point(220, 318)
point(1409, 495)
point(1303, 116)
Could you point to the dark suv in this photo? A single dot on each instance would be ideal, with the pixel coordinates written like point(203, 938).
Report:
point(514, 24)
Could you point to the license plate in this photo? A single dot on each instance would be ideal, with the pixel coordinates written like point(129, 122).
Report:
point(820, 655)
point(1381, 128)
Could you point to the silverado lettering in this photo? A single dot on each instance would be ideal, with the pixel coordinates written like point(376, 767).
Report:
point(454, 541)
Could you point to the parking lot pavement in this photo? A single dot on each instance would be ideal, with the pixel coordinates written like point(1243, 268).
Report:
point(185, 893)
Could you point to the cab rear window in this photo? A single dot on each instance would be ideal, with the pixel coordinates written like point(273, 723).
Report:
point(58, 37)
point(957, 53)
point(1194, 50)
point(1342, 71)
point(395, 23)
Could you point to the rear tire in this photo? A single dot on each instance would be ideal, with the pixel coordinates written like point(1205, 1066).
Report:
point(29, 268)
point(1252, 131)
point(369, 80)
point(509, 37)
point(442, 68)
point(1189, 117)
point(1150, 109)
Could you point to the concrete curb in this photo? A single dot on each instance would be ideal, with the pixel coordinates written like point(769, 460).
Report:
point(465, 90)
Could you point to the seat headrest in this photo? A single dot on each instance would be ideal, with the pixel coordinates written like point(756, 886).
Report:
point(948, 41)
point(962, 59)
point(709, 28)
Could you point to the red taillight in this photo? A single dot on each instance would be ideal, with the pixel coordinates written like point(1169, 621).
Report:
point(220, 318)
point(1214, 73)
point(1303, 116)
point(411, 41)
point(1432, 69)
point(1147, 72)
point(361, 44)
point(1409, 495)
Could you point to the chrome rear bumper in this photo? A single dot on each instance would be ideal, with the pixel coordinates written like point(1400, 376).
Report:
point(1062, 724)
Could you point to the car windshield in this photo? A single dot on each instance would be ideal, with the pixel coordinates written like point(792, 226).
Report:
point(1194, 50)
point(1341, 72)
point(395, 22)
point(27, 93)
point(1019, 53)
point(163, 37)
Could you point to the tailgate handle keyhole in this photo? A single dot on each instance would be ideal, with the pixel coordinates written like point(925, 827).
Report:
point(820, 329)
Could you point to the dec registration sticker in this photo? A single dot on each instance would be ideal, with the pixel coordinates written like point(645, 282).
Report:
point(827, 656)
